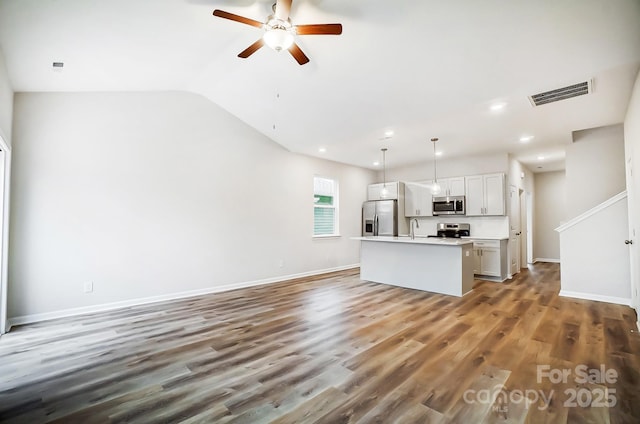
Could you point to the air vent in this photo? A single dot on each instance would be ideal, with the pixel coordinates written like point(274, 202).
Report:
point(561, 93)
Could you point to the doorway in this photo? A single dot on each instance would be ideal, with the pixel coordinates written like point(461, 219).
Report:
point(514, 230)
point(529, 233)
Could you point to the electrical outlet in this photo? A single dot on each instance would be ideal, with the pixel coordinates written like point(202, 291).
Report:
point(88, 286)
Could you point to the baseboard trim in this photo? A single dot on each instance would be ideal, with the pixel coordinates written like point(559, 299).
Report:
point(28, 319)
point(596, 297)
point(550, 260)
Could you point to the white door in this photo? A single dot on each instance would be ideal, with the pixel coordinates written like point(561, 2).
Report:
point(633, 203)
point(529, 237)
point(524, 229)
point(514, 230)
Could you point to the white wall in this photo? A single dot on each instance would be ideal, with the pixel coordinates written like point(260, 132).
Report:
point(594, 168)
point(595, 261)
point(520, 176)
point(6, 102)
point(632, 152)
point(550, 207)
point(149, 194)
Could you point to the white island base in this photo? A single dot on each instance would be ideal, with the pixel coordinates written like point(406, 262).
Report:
point(435, 265)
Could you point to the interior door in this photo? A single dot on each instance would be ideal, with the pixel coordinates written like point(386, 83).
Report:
point(633, 203)
point(514, 230)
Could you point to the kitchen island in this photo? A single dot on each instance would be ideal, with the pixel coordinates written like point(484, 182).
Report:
point(439, 265)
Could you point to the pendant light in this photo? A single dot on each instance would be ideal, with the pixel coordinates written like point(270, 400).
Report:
point(435, 187)
point(384, 192)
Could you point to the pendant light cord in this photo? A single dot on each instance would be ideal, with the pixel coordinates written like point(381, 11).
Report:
point(435, 173)
point(384, 167)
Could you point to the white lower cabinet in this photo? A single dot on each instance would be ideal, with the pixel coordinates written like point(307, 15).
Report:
point(490, 258)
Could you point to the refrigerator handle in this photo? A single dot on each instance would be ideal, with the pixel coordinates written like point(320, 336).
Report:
point(375, 225)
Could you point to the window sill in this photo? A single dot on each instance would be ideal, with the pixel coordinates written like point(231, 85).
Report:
point(326, 236)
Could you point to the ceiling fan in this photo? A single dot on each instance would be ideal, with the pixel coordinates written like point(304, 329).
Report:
point(279, 31)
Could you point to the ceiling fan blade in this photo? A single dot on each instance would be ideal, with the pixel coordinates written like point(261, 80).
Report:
point(251, 49)
point(226, 15)
point(283, 8)
point(329, 29)
point(298, 54)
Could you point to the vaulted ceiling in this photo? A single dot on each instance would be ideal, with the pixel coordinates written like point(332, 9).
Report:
point(419, 69)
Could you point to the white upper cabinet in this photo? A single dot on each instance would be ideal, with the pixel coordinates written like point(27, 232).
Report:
point(452, 186)
point(485, 195)
point(474, 193)
point(373, 191)
point(494, 194)
point(417, 199)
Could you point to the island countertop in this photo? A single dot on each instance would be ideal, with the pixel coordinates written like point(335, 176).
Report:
point(438, 265)
point(418, 240)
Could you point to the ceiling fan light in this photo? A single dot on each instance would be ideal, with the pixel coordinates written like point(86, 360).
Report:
point(278, 39)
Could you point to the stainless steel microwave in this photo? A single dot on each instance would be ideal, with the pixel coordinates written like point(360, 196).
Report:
point(450, 205)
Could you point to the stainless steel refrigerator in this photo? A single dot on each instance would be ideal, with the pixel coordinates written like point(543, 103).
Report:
point(380, 218)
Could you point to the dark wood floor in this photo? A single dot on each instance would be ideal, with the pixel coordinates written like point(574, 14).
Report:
point(331, 349)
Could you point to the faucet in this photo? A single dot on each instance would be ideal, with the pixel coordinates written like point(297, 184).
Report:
point(413, 231)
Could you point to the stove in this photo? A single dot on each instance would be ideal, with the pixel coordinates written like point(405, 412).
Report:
point(452, 230)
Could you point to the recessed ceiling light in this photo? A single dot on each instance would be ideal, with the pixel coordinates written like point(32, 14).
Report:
point(438, 153)
point(376, 163)
point(388, 134)
point(497, 106)
point(526, 138)
point(322, 149)
point(540, 157)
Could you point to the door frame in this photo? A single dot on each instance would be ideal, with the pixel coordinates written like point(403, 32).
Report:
point(5, 157)
point(530, 225)
point(514, 218)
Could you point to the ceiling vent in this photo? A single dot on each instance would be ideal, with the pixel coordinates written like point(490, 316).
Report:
point(561, 93)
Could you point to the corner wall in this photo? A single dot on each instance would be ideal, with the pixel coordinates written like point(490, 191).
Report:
point(594, 168)
point(6, 102)
point(149, 195)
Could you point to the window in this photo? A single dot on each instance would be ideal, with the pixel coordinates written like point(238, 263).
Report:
point(325, 207)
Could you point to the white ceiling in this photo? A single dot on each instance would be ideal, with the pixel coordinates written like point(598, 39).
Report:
point(419, 68)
